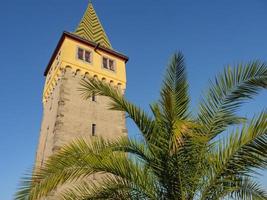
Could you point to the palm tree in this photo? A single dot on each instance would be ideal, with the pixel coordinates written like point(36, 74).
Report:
point(181, 156)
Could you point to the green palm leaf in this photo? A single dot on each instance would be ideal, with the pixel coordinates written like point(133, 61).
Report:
point(239, 155)
point(179, 156)
point(174, 93)
point(248, 189)
point(227, 93)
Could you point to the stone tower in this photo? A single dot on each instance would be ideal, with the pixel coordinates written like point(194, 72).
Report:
point(84, 53)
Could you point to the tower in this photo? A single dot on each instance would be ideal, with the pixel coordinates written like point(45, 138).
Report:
point(84, 53)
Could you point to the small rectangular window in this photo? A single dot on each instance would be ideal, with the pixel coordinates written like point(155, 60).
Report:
point(105, 63)
point(108, 64)
point(93, 129)
point(80, 53)
point(87, 56)
point(93, 97)
point(111, 65)
point(84, 55)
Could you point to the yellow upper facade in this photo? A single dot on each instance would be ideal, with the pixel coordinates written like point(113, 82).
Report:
point(85, 57)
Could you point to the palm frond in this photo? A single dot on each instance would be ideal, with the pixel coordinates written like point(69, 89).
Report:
point(138, 149)
point(179, 156)
point(227, 93)
point(174, 93)
point(98, 87)
point(111, 187)
point(248, 189)
point(89, 191)
point(81, 159)
point(25, 187)
point(240, 155)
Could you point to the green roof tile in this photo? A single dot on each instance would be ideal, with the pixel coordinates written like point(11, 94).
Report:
point(90, 28)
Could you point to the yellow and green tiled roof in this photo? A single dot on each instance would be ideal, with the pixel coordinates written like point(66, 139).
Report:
point(90, 28)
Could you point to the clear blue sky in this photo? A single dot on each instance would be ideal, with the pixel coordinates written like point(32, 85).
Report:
point(211, 34)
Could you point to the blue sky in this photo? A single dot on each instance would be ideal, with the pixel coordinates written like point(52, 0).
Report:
point(211, 34)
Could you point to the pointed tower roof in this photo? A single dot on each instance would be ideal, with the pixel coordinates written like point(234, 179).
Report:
point(90, 28)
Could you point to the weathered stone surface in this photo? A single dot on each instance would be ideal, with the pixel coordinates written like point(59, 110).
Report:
point(66, 116)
